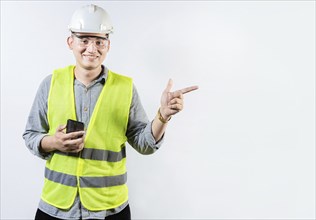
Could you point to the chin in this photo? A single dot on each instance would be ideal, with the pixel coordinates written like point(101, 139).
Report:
point(90, 66)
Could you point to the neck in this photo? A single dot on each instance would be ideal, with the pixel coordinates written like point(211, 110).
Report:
point(87, 76)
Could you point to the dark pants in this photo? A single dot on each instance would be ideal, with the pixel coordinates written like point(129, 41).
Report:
point(125, 214)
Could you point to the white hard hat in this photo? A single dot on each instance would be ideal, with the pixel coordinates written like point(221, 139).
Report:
point(91, 19)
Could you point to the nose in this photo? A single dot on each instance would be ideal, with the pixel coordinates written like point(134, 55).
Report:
point(92, 47)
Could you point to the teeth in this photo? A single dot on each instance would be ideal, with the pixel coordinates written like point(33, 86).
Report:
point(90, 57)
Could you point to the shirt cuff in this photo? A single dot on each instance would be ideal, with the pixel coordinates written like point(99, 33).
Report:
point(150, 137)
point(36, 150)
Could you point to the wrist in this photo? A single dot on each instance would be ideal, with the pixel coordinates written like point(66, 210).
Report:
point(164, 119)
point(47, 144)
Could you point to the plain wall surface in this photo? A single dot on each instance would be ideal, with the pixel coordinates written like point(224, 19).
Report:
point(243, 147)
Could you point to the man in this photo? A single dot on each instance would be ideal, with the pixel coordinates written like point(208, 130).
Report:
point(85, 174)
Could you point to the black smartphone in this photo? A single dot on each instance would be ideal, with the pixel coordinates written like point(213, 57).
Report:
point(73, 125)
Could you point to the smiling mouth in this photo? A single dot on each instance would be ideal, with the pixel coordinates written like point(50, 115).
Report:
point(90, 57)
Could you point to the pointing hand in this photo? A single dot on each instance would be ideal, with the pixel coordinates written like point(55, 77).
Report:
point(172, 102)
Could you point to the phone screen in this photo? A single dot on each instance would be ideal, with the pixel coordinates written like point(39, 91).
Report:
point(73, 126)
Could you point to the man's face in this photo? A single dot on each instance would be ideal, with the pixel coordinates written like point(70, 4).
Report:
point(89, 49)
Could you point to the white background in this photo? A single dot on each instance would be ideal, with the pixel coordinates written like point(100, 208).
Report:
point(244, 146)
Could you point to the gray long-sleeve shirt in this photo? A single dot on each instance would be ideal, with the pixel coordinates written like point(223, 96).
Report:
point(138, 133)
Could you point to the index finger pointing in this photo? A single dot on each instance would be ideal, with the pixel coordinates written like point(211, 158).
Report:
point(189, 89)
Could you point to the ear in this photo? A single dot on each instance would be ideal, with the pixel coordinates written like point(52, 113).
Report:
point(109, 46)
point(70, 41)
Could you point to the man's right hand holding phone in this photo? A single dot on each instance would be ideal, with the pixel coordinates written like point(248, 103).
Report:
point(65, 142)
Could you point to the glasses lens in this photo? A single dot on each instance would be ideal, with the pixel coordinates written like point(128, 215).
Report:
point(85, 41)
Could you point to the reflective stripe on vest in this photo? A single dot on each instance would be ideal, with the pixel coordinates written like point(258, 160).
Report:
point(97, 154)
point(98, 172)
point(70, 180)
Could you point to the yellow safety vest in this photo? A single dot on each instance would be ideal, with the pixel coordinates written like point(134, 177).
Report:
point(98, 172)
